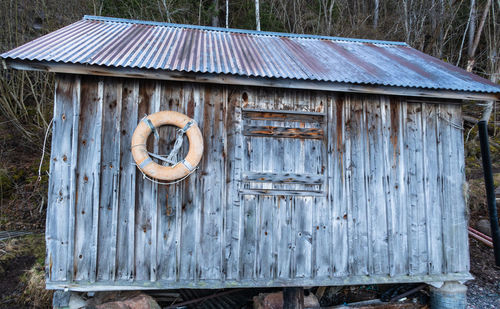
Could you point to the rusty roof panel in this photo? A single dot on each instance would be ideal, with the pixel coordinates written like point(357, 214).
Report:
point(127, 43)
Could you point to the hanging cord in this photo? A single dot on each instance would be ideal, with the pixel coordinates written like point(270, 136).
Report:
point(451, 123)
point(43, 150)
point(163, 183)
point(470, 131)
point(169, 159)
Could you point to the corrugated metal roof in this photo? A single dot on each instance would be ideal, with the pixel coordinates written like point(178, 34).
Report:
point(136, 44)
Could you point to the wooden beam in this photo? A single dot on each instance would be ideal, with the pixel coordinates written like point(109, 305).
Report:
point(290, 178)
point(125, 285)
point(293, 298)
point(279, 115)
point(284, 132)
point(274, 192)
point(245, 81)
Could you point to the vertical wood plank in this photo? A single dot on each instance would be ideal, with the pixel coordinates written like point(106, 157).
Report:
point(306, 159)
point(88, 166)
point(417, 238)
point(264, 257)
point(110, 169)
point(302, 217)
point(59, 193)
point(74, 176)
point(322, 207)
point(348, 180)
point(233, 169)
point(397, 187)
point(365, 204)
point(388, 154)
point(96, 175)
point(460, 204)
point(213, 178)
point(168, 195)
point(338, 182)
point(265, 260)
point(453, 203)
point(360, 250)
point(248, 237)
point(444, 178)
point(431, 185)
point(126, 196)
point(224, 173)
point(376, 203)
point(155, 215)
point(285, 246)
point(192, 195)
point(145, 196)
point(246, 234)
point(281, 245)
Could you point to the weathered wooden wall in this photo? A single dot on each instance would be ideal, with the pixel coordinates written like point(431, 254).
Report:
point(295, 188)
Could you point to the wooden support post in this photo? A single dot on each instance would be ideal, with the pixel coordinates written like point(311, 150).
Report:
point(60, 299)
point(293, 298)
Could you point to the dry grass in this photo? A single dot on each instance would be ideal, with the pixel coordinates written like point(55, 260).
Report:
point(35, 293)
point(22, 275)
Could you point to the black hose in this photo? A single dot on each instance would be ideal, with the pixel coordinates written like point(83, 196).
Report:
point(490, 188)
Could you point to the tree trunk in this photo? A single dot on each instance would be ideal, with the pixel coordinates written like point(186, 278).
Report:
point(407, 21)
point(293, 298)
point(227, 13)
point(472, 27)
point(257, 15)
point(215, 15)
point(475, 43)
point(375, 14)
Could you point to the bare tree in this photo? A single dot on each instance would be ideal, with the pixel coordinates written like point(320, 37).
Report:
point(97, 7)
point(215, 14)
point(375, 14)
point(472, 26)
point(407, 21)
point(475, 43)
point(257, 14)
point(327, 13)
point(227, 13)
point(199, 12)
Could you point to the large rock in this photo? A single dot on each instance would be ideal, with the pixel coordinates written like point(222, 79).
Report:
point(484, 227)
point(123, 300)
point(275, 301)
point(76, 301)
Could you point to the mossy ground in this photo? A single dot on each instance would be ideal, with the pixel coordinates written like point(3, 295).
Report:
point(22, 275)
point(23, 197)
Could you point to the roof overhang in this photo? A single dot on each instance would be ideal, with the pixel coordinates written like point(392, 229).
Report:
point(230, 79)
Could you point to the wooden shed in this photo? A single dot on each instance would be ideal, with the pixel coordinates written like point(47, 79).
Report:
point(327, 161)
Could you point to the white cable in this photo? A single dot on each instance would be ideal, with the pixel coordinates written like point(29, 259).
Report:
point(164, 183)
point(43, 150)
point(451, 123)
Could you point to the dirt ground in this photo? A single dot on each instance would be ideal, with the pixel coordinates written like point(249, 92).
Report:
point(484, 290)
point(22, 273)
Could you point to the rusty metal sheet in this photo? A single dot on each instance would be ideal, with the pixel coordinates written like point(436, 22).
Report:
point(137, 44)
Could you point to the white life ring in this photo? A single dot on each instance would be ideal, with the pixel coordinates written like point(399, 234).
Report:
point(155, 170)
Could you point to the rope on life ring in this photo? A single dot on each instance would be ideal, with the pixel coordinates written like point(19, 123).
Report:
point(143, 158)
